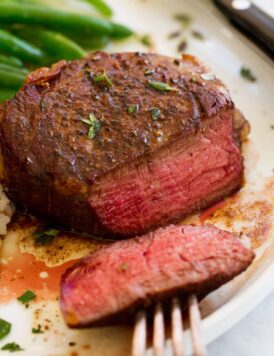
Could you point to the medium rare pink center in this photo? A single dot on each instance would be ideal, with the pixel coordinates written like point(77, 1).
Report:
point(175, 260)
point(181, 178)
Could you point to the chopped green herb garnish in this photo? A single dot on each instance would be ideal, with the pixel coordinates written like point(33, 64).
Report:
point(247, 74)
point(208, 76)
point(5, 327)
point(37, 330)
point(182, 46)
point(132, 108)
point(149, 71)
point(27, 297)
point(103, 78)
point(198, 35)
point(123, 266)
point(146, 40)
point(94, 125)
point(155, 113)
point(11, 347)
point(161, 86)
point(45, 236)
point(185, 19)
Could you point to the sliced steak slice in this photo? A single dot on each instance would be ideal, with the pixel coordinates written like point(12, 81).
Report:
point(175, 260)
point(156, 155)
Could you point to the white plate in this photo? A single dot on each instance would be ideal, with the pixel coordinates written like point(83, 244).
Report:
point(225, 51)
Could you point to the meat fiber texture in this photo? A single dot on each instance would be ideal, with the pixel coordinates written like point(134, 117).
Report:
point(175, 260)
point(156, 156)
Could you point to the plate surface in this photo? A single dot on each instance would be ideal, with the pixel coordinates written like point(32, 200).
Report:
point(225, 51)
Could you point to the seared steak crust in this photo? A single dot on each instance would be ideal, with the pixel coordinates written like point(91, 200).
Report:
point(50, 164)
point(175, 260)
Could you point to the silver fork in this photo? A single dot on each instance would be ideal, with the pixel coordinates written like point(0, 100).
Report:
point(139, 340)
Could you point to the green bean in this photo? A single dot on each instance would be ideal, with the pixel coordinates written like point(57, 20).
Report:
point(95, 43)
point(19, 48)
point(6, 94)
point(11, 79)
point(61, 46)
point(52, 18)
point(120, 31)
point(13, 61)
point(101, 6)
point(9, 68)
point(55, 44)
point(32, 34)
point(89, 42)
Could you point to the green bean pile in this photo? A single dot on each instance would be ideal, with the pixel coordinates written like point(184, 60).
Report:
point(34, 34)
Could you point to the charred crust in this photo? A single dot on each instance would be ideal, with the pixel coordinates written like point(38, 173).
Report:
point(42, 125)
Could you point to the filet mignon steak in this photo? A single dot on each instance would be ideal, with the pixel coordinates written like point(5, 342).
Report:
point(121, 143)
point(175, 260)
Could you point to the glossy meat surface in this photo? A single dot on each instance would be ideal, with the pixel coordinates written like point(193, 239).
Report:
point(54, 169)
point(175, 260)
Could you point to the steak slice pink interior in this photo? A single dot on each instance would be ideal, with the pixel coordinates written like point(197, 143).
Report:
point(175, 260)
point(184, 177)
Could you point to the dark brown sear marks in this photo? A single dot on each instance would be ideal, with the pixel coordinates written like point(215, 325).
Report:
point(57, 100)
point(58, 103)
point(53, 163)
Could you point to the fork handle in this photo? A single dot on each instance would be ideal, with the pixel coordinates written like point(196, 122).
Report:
point(252, 20)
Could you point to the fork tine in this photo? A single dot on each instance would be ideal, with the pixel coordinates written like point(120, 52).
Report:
point(195, 326)
point(177, 328)
point(140, 330)
point(139, 334)
point(158, 331)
